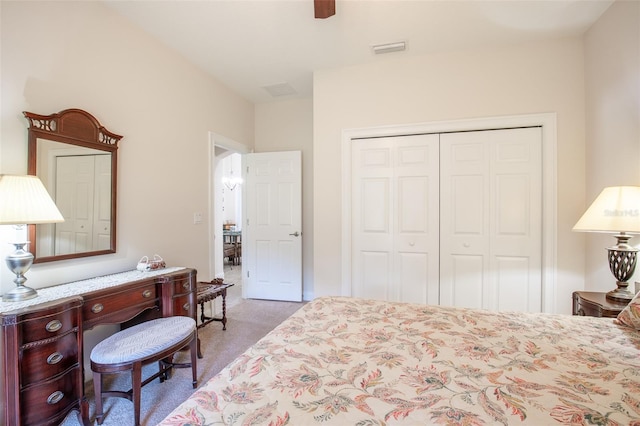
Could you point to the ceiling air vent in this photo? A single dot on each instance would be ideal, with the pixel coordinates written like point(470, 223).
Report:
point(280, 89)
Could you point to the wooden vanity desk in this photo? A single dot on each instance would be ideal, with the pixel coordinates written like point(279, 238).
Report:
point(42, 353)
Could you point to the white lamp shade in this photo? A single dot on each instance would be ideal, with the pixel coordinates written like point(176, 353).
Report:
point(25, 200)
point(617, 209)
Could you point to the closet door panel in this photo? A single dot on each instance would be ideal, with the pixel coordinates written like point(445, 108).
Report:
point(412, 275)
point(416, 219)
point(372, 243)
point(75, 198)
point(465, 201)
point(512, 286)
point(464, 219)
point(102, 211)
point(516, 220)
point(374, 275)
point(491, 210)
point(465, 278)
point(395, 218)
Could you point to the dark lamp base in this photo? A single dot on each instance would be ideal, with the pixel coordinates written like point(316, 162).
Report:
point(620, 295)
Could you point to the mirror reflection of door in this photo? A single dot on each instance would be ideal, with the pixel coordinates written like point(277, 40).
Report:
point(83, 195)
point(79, 181)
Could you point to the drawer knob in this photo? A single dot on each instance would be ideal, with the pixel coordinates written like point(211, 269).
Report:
point(53, 326)
point(185, 285)
point(55, 397)
point(146, 293)
point(186, 306)
point(97, 308)
point(54, 358)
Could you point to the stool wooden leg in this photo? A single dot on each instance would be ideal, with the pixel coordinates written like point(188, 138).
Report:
point(97, 388)
point(194, 369)
point(136, 387)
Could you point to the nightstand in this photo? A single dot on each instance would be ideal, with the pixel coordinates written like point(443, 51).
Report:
point(595, 304)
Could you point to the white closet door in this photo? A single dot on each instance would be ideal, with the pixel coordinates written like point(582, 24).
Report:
point(74, 197)
point(395, 218)
point(102, 204)
point(491, 219)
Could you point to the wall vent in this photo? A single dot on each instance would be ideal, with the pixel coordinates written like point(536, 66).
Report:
point(389, 47)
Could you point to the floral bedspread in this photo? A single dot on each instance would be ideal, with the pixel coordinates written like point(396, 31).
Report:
point(349, 361)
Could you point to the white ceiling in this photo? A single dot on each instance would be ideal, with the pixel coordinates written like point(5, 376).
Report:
point(251, 44)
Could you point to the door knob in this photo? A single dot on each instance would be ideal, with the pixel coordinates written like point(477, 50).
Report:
point(295, 234)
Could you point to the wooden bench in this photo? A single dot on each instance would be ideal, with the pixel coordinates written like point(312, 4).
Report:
point(130, 349)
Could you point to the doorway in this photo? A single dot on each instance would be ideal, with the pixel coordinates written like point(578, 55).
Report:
point(231, 203)
point(225, 205)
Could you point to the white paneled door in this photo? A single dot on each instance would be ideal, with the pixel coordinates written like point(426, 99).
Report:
point(272, 233)
point(74, 196)
point(102, 208)
point(452, 219)
point(491, 219)
point(83, 194)
point(395, 218)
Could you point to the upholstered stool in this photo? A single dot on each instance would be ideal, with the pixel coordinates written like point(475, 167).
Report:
point(130, 349)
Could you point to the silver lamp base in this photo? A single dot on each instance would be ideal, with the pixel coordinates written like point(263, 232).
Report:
point(19, 293)
point(19, 263)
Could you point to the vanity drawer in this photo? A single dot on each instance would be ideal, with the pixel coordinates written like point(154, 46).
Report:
point(182, 306)
point(39, 403)
point(48, 325)
point(183, 285)
point(44, 360)
point(137, 299)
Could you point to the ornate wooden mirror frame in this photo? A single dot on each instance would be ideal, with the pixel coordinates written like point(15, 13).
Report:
point(75, 137)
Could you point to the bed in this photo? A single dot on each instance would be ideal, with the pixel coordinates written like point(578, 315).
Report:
point(348, 361)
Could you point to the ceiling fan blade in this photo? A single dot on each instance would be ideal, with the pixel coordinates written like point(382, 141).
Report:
point(324, 8)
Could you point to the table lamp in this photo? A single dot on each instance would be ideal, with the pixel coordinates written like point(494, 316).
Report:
point(24, 200)
point(616, 210)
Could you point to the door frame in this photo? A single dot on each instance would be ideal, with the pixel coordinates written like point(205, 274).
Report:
point(218, 142)
point(548, 123)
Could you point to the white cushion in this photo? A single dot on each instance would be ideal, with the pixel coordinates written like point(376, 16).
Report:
point(142, 340)
point(630, 315)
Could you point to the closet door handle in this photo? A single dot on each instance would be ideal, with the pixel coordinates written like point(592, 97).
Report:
point(295, 234)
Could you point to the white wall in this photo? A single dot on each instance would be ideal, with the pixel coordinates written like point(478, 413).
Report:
point(525, 79)
point(58, 55)
point(287, 126)
point(612, 75)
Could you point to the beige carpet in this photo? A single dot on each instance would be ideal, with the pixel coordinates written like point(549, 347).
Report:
point(247, 321)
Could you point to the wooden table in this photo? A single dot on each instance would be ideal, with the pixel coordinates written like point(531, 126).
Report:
point(596, 304)
point(232, 246)
point(42, 338)
point(207, 292)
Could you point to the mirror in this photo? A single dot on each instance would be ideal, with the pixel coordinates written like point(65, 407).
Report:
point(76, 160)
